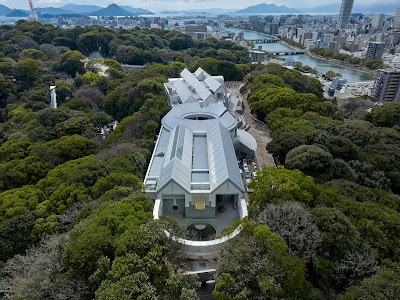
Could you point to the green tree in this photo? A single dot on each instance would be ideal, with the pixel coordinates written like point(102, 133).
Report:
point(341, 147)
point(116, 179)
point(387, 115)
point(71, 147)
point(7, 90)
point(28, 69)
point(89, 79)
point(275, 185)
point(15, 149)
point(312, 160)
point(331, 74)
point(64, 91)
point(385, 284)
point(257, 265)
point(71, 62)
point(338, 233)
point(33, 53)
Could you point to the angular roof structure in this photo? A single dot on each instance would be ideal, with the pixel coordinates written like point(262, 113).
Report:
point(198, 86)
point(195, 146)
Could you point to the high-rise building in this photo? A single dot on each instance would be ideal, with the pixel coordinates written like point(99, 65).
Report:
point(396, 22)
point(345, 12)
point(387, 85)
point(378, 21)
point(375, 50)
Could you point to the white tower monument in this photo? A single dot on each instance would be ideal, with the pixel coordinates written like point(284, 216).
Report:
point(53, 102)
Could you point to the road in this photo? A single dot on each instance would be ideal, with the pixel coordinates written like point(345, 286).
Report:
point(261, 133)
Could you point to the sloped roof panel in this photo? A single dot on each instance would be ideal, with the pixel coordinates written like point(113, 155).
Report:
point(178, 158)
point(183, 91)
point(200, 73)
point(246, 139)
point(200, 89)
point(222, 158)
point(213, 84)
point(159, 153)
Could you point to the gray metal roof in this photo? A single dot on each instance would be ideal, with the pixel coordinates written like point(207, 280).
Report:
point(200, 154)
point(200, 89)
point(200, 177)
point(183, 91)
point(222, 158)
point(200, 73)
point(158, 156)
point(213, 84)
point(178, 159)
point(182, 113)
point(195, 146)
point(246, 139)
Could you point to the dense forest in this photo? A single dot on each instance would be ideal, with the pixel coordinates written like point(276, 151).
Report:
point(324, 224)
point(74, 223)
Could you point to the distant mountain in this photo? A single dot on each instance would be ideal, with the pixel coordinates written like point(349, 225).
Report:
point(206, 11)
point(185, 12)
point(137, 11)
point(267, 8)
point(328, 8)
point(111, 10)
point(52, 11)
point(17, 14)
point(4, 10)
point(381, 7)
point(81, 9)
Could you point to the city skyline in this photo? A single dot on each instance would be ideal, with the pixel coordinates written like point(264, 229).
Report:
point(163, 5)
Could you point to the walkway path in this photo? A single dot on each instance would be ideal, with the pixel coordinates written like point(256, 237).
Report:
point(257, 129)
point(261, 133)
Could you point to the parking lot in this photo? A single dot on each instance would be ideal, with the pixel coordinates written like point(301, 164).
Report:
point(248, 169)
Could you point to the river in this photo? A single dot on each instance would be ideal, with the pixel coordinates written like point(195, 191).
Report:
point(352, 75)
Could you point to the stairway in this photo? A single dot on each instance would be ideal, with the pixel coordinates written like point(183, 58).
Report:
point(205, 292)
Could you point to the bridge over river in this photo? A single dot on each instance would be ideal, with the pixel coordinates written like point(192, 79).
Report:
point(264, 41)
point(286, 52)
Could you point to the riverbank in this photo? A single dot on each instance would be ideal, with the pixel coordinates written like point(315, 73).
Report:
point(320, 64)
point(330, 60)
point(342, 64)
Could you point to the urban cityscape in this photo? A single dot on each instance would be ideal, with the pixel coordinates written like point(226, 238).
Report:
point(192, 152)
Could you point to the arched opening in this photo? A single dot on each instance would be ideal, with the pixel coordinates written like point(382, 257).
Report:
point(201, 232)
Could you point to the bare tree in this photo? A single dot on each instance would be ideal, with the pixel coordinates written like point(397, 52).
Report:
point(116, 150)
point(356, 264)
point(52, 51)
point(92, 95)
point(293, 222)
point(69, 218)
point(39, 274)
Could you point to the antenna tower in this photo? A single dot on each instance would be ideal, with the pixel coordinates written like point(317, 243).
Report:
point(34, 15)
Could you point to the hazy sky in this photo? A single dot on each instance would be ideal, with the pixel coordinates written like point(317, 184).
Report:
point(158, 5)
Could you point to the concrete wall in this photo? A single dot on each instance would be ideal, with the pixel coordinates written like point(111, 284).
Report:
point(226, 188)
point(242, 208)
point(203, 250)
point(208, 250)
point(157, 210)
point(175, 201)
point(193, 213)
